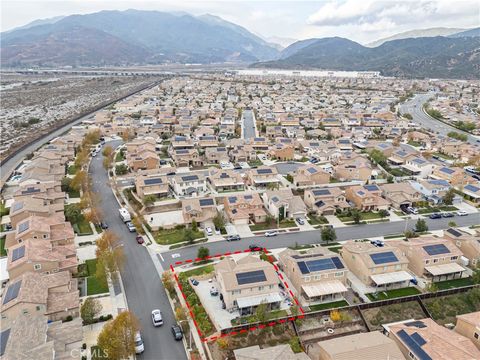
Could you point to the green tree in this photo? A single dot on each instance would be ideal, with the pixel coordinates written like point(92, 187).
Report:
point(378, 157)
point(168, 283)
point(149, 200)
point(289, 178)
point(65, 184)
point(117, 338)
point(261, 312)
point(110, 257)
point(356, 216)
point(383, 213)
point(449, 196)
point(421, 226)
point(390, 179)
point(73, 213)
point(188, 236)
point(452, 224)
point(121, 169)
point(328, 234)
point(194, 225)
point(90, 309)
point(219, 221)
point(203, 252)
point(476, 275)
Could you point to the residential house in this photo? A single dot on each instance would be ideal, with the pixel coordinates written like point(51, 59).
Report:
point(41, 257)
point(240, 209)
point(401, 194)
point(400, 157)
point(358, 168)
point(282, 203)
point(54, 295)
point(242, 153)
point(367, 197)
point(225, 180)
point(468, 244)
point(247, 283)
point(186, 157)
point(472, 192)
point(156, 185)
point(262, 176)
point(435, 259)
point(382, 268)
point(199, 209)
point(419, 167)
point(216, 155)
point(432, 190)
point(310, 175)
point(53, 229)
point(468, 325)
point(142, 159)
point(425, 339)
point(32, 206)
point(188, 184)
point(368, 345)
point(454, 175)
point(325, 201)
point(50, 192)
point(42, 171)
point(317, 275)
point(281, 152)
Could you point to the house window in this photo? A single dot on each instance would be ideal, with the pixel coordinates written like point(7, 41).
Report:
point(307, 278)
point(453, 258)
point(45, 236)
point(37, 267)
point(338, 274)
point(39, 308)
point(475, 335)
point(427, 262)
point(24, 312)
point(435, 261)
point(35, 237)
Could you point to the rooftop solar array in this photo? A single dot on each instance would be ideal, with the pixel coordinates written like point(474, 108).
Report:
point(454, 232)
point(413, 345)
point(321, 192)
point(447, 170)
point(264, 171)
point(232, 199)
point(181, 151)
point(153, 181)
point(471, 188)
point(436, 249)
point(418, 339)
point(30, 190)
point(18, 253)
point(23, 226)
point(12, 292)
point(384, 257)
point(206, 202)
point(189, 177)
point(251, 277)
point(312, 170)
point(248, 197)
point(224, 176)
point(307, 267)
point(417, 323)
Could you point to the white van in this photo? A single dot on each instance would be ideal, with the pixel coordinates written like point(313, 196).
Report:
point(139, 347)
point(125, 215)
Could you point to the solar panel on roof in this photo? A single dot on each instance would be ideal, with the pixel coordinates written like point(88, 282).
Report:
point(264, 171)
point(436, 249)
point(418, 339)
point(321, 192)
point(189, 177)
point(248, 197)
point(447, 170)
point(23, 226)
point(320, 264)
point(18, 253)
point(417, 323)
point(471, 188)
point(312, 170)
point(206, 202)
point(4, 335)
point(153, 181)
point(12, 292)
point(251, 277)
point(413, 346)
point(454, 232)
point(337, 262)
point(30, 190)
point(383, 258)
point(371, 187)
point(181, 151)
point(232, 199)
point(303, 267)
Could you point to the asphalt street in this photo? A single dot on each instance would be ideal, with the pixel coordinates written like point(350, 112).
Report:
point(143, 287)
point(415, 108)
point(312, 237)
point(248, 124)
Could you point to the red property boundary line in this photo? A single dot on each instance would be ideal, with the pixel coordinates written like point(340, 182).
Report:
point(253, 328)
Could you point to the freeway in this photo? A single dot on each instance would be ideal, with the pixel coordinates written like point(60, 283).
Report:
point(249, 126)
point(415, 108)
point(313, 236)
point(143, 287)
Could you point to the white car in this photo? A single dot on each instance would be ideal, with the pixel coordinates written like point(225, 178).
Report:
point(209, 231)
point(139, 347)
point(271, 233)
point(462, 213)
point(157, 318)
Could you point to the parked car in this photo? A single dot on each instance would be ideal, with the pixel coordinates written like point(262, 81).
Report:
point(448, 215)
point(281, 286)
point(435, 216)
point(104, 225)
point(194, 282)
point(254, 247)
point(209, 231)
point(412, 210)
point(139, 347)
point(177, 332)
point(462, 213)
point(130, 226)
point(157, 318)
point(213, 291)
point(271, 233)
point(139, 239)
point(233, 237)
point(300, 221)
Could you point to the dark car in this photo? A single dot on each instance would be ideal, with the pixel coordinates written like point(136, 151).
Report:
point(163, 162)
point(254, 247)
point(139, 239)
point(177, 332)
point(194, 282)
point(233, 237)
point(435, 216)
point(448, 215)
point(104, 225)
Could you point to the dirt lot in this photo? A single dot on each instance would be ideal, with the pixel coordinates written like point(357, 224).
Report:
point(392, 313)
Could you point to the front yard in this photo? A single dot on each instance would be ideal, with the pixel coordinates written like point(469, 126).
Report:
point(367, 215)
point(3, 252)
point(392, 294)
point(174, 236)
point(273, 225)
point(434, 209)
point(93, 285)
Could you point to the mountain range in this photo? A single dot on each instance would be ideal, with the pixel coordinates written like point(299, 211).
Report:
point(135, 37)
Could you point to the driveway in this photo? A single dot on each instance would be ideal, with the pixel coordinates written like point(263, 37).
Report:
point(143, 287)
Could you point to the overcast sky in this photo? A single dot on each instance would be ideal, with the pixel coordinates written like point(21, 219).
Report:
point(359, 20)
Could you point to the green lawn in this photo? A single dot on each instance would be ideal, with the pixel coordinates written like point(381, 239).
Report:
point(82, 228)
point(98, 228)
point(317, 220)
point(91, 266)
point(450, 284)
point(414, 143)
point(73, 193)
point(3, 210)
point(3, 252)
point(72, 170)
point(119, 157)
point(93, 285)
point(444, 156)
point(207, 269)
point(330, 305)
point(369, 215)
point(256, 162)
point(432, 209)
point(392, 294)
point(273, 225)
point(335, 249)
point(173, 236)
point(275, 314)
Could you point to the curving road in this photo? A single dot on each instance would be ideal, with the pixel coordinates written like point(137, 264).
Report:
point(414, 107)
point(143, 287)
